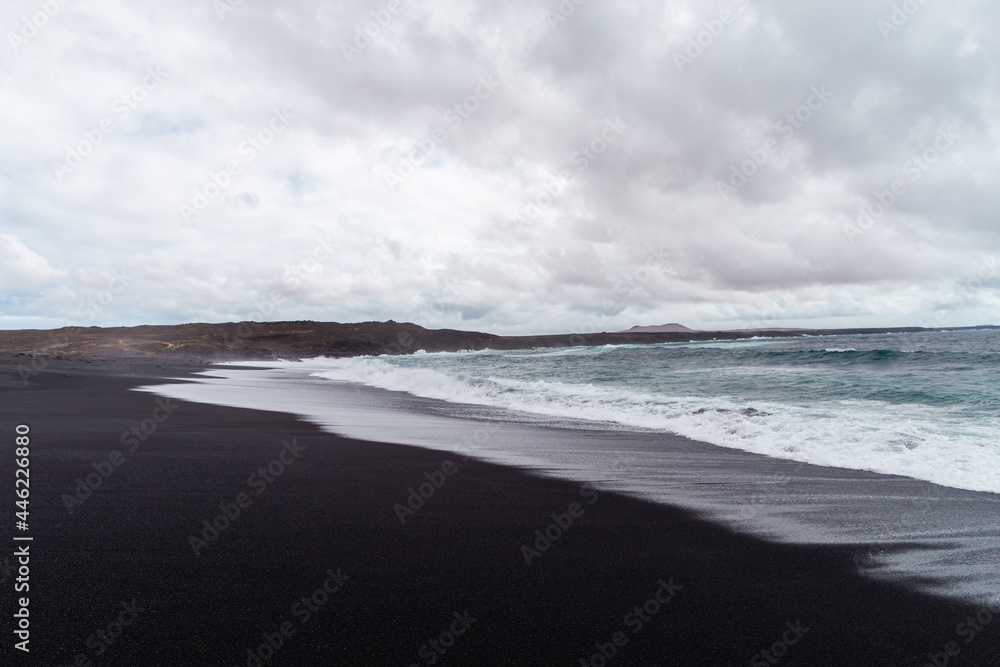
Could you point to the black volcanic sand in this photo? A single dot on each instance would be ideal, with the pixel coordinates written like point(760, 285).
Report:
point(332, 508)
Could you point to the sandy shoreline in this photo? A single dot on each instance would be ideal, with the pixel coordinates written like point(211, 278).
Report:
point(319, 519)
point(946, 540)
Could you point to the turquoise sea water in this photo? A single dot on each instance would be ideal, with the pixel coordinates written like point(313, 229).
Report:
point(923, 405)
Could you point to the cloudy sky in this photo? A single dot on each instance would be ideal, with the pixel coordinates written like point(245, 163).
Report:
point(500, 165)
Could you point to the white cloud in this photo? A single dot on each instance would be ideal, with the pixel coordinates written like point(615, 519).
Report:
point(21, 268)
point(445, 235)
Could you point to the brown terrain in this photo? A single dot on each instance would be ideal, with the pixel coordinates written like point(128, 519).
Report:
point(301, 340)
point(673, 327)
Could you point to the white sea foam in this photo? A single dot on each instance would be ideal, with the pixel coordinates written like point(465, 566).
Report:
point(930, 443)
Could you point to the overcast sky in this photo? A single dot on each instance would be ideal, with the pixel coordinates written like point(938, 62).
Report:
point(507, 166)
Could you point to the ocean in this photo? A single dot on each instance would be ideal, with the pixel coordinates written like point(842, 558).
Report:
point(887, 443)
point(921, 405)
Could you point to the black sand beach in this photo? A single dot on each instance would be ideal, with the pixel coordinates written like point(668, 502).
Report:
point(449, 586)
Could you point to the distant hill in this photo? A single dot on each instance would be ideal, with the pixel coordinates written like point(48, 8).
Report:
point(300, 340)
point(773, 329)
point(673, 327)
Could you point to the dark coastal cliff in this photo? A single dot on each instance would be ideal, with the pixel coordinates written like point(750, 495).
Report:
point(298, 340)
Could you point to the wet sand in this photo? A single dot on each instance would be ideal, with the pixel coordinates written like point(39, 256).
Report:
point(450, 583)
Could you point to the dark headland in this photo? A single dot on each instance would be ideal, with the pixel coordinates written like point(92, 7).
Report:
point(299, 340)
